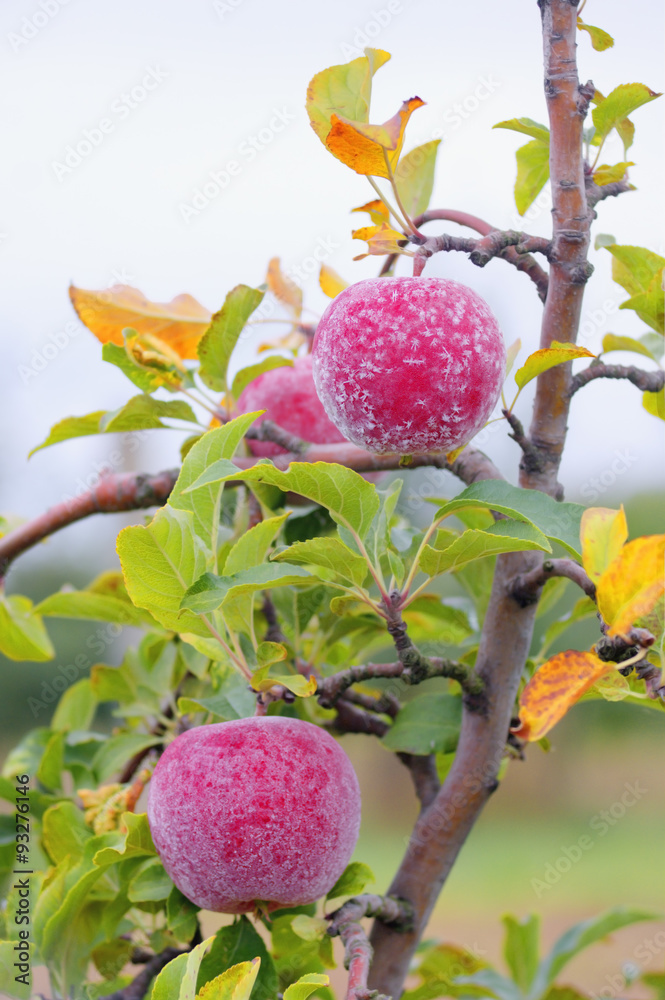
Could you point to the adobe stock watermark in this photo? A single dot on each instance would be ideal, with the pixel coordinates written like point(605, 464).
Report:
point(365, 34)
point(224, 7)
point(121, 108)
point(219, 180)
point(600, 824)
point(462, 110)
point(595, 486)
point(31, 25)
point(60, 340)
point(66, 674)
point(644, 954)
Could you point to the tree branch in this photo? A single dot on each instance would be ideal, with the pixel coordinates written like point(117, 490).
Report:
point(526, 587)
point(330, 689)
point(129, 491)
point(357, 949)
point(598, 192)
point(138, 987)
point(646, 381)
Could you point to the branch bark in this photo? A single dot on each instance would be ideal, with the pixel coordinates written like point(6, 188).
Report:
point(138, 987)
point(443, 827)
point(526, 587)
point(646, 381)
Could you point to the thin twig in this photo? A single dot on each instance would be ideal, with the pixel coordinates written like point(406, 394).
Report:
point(345, 923)
point(138, 987)
point(268, 430)
point(646, 381)
point(526, 587)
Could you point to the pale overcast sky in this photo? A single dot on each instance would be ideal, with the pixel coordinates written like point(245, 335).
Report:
point(167, 93)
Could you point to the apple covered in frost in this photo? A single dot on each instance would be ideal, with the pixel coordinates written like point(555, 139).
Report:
point(288, 396)
point(408, 365)
point(256, 812)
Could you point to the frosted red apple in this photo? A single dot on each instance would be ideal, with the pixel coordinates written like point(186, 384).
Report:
point(262, 809)
point(408, 365)
point(289, 398)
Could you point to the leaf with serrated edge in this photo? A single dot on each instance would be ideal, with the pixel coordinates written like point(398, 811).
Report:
point(364, 147)
point(428, 724)
point(558, 521)
point(145, 412)
point(177, 980)
point(85, 604)
point(353, 880)
point(235, 983)
point(555, 688)
point(209, 591)
point(217, 343)
point(541, 361)
point(603, 532)
point(253, 546)
point(350, 499)
point(71, 427)
point(618, 104)
point(414, 177)
point(331, 553)
point(504, 536)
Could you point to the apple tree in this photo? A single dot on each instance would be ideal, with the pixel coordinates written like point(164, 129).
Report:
point(280, 585)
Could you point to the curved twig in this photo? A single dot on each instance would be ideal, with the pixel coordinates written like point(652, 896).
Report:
point(526, 587)
point(646, 381)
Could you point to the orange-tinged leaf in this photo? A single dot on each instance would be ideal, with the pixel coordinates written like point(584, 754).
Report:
point(630, 591)
point(365, 147)
point(377, 211)
point(541, 361)
point(180, 323)
point(284, 288)
point(330, 282)
point(554, 689)
point(380, 240)
point(603, 533)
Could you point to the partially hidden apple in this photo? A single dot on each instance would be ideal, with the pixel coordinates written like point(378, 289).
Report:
point(408, 365)
point(288, 396)
point(256, 813)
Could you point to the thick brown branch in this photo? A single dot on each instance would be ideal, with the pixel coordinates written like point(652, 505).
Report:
point(646, 381)
point(127, 491)
point(526, 587)
point(596, 192)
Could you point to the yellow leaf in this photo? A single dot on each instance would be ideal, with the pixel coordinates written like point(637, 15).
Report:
point(343, 90)
point(299, 685)
point(654, 403)
point(234, 984)
point(180, 323)
point(600, 39)
point(330, 282)
point(380, 240)
point(377, 211)
point(554, 689)
point(631, 589)
point(283, 288)
point(364, 147)
point(541, 361)
point(603, 532)
point(605, 174)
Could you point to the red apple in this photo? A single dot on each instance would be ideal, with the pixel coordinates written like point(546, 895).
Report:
point(289, 398)
point(406, 365)
point(261, 810)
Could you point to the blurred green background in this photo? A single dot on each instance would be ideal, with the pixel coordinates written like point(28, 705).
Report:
point(544, 806)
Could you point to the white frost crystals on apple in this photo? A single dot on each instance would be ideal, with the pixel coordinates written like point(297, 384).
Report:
point(408, 365)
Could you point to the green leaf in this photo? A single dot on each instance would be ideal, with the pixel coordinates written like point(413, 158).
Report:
point(247, 375)
point(428, 724)
point(414, 176)
point(309, 928)
point(114, 753)
point(352, 881)
point(301, 686)
point(656, 982)
point(351, 500)
point(9, 986)
point(51, 765)
point(112, 684)
point(76, 708)
point(151, 883)
point(305, 986)
point(146, 379)
point(25, 757)
point(527, 126)
point(208, 592)
point(650, 305)
point(428, 616)
point(581, 936)
point(560, 522)
point(216, 345)
point(542, 360)
point(88, 605)
point(344, 91)
point(181, 915)
point(654, 403)
point(236, 983)
point(204, 504)
point(64, 832)
point(521, 949)
point(144, 412)
point(492, 984)
point(253, 546)
point(135, 843)
point(330, 553)
point(160, 562)
point(22, 632)
point(234, 700)
point(599, 38)
point(71, 427)
point(613, 342)
point(504, 536)
point(177, 980)
point(634, 267)
point(533, 172)
point(603, 240)
point(235, 943)
point(618, 104)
